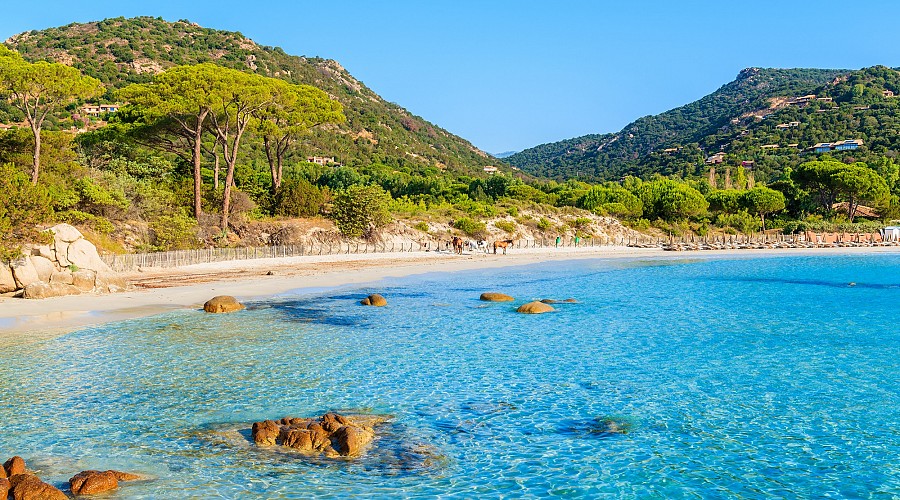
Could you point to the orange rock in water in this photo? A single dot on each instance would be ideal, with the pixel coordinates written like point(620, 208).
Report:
point(374, 300)
point(28, 487)
point(91, 482)
point(222, 304)
point(14, 466)
point(535, 308)
point(496, 297)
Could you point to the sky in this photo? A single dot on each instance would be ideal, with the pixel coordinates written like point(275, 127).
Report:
point(509, 75)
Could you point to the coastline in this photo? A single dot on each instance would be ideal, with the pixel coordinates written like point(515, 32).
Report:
point(161, 290)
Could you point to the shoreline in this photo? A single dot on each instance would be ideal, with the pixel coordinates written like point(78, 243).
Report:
point(161, 290)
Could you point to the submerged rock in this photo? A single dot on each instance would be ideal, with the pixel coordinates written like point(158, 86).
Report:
point(222, 304)
point(330, 435)
point(496, 297)
point(554, 301)
point(611, 425)
point(374, 300)
point(535, 308)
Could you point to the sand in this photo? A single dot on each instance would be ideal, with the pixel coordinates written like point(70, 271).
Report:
point(160, 290)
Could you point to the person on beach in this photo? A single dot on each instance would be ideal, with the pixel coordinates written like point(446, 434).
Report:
point(558, 238)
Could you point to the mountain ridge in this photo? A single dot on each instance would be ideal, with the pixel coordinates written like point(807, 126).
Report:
point(121, 50)
point(611, 155)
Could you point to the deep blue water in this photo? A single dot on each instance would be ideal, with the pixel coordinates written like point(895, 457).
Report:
point(765, 377)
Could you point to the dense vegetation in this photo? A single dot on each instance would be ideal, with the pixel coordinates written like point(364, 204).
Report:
point(201, 149)
point(122, 51)
point(638, 148)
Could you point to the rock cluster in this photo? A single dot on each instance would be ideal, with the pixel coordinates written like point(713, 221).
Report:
point(222, 304)
point(18, 483)
point(496, 297)
point(374, 300)
point(69, 265)
point(331, 435)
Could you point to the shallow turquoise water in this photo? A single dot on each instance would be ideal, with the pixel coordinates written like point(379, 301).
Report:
point(745, 377)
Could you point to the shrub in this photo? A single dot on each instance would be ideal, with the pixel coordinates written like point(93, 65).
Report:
point(22, 207)
point(359, 210)
point(422, 226)
point(742, 221)
point(298, 198)
point(513, 211)
point(544, 224)
point(505, 225)
point(174, 232)
point(470, 227)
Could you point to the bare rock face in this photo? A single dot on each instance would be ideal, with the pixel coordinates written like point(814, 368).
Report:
point(28, 487)
point(43, 266)
point(330, 435)
point(374, 300)
point(83, 254)
point(84, 279)
point(222, 304)
point(63, 277)
point(496, 297)
point(41, 290)
point(65, 233)
point(535, 307)
point(24, 272)
point(14, 466)
point(7, 282)
point(4, 487)
point(68, 266)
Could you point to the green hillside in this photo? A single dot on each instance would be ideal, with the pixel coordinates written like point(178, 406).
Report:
point(121, 51)
point(692, 127)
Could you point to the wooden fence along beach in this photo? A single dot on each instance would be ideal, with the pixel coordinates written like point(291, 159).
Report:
point(179, 258)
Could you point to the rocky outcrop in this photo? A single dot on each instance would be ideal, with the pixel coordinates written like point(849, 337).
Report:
point(29, 487)
point(7, 281)
point(67, 266)
point(331, 435)
point(374, 300)
point(535, 307)
point(14, 466)
point(91, 482)
point(496, 297)
point(4, 487)
point(222, 304)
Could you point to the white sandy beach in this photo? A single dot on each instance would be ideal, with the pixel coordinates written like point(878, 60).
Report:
point(159, 290)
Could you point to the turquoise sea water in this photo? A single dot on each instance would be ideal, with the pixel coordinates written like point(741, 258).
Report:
point(734, 378)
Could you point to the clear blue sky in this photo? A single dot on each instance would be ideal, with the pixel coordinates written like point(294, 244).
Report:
point(508, 75)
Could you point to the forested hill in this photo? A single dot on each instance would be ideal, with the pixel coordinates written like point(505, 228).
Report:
point(121, 51)
point(610, 156)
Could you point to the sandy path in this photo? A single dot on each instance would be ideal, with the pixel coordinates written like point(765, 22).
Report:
point(159, 290)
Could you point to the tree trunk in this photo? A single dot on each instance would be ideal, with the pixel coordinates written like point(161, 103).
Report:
point(36, 166)
point(216, 171)
point(198, 180)
point(762, 217)
point(267, 145)
point(230, 161)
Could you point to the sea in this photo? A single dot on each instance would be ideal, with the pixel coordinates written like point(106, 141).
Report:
point(678, 377)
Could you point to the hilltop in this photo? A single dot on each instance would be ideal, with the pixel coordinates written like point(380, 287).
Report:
point(122, 51)
point(720, 121)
